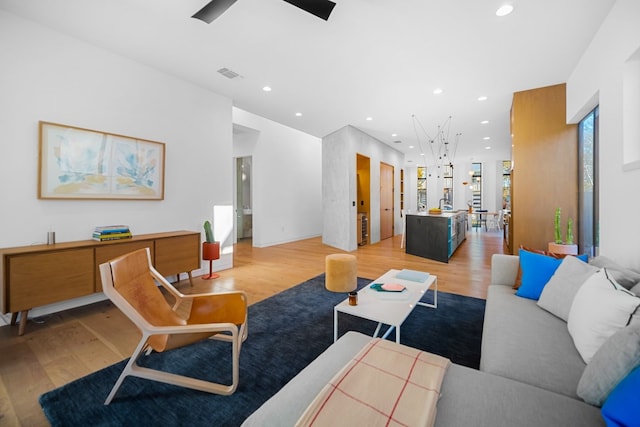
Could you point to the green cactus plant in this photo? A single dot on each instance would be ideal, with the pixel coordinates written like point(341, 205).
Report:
point(208, 232)
point(569, 231)
point(558, 232)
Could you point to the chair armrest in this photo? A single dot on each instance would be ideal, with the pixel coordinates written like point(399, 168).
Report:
point(504, 269)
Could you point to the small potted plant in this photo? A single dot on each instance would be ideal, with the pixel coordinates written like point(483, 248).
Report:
point(558, 246)
point(210, 249)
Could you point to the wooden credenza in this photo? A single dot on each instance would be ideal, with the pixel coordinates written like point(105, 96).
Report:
point(38, 275)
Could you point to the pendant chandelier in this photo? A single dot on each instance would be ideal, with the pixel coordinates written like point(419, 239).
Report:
point(442, 151)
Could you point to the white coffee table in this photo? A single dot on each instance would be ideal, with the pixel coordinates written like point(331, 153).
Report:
point(388, 308)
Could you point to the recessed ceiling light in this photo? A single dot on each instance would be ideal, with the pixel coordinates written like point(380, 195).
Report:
point(266, 89)
point(411, 146)
point(484, 122)
point(482, 98)
point(487, 148)
point(486, 138)
point(298, 114)
point(369, 119)
point(422, 154)
point(504, 10)
point(437, 91)
point(394, 135)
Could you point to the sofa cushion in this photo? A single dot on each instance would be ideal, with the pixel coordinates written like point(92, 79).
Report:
point(622, 408)
point(600, 308)
point(619, 355)
point(479, 399)
point(518, 281)
point(537, 269)
point(624, 276)
point(523, 342)
point(557, 295)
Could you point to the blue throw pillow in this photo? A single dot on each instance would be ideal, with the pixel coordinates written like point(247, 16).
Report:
point(622, 407)
point(537, 269)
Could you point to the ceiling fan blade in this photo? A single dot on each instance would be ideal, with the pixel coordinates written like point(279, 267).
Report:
point(212, 10)
point(320, 8)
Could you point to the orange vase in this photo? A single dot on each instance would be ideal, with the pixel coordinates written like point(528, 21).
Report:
point(210, 251)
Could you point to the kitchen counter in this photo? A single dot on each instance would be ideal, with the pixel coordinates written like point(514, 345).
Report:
point(435, 236)
point(446, 214)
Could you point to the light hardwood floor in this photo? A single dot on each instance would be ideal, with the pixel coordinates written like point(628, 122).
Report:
point(59, 348)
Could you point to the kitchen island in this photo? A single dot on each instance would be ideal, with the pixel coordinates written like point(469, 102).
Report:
point(435, 236)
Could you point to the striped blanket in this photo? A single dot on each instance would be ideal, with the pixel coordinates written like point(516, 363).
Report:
point(385, 384)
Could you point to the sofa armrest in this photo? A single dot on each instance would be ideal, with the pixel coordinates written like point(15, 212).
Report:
point(504, 269)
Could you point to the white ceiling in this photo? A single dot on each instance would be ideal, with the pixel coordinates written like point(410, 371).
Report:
point(372, 58)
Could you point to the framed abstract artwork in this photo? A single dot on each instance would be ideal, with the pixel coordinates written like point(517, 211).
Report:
point(76, 163)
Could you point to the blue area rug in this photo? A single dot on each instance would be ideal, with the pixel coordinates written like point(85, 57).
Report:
point(286, 332)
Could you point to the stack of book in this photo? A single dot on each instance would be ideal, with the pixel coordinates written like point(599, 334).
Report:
point(112, 232)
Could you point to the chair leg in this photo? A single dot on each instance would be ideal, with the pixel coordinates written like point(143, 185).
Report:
point(127, 369)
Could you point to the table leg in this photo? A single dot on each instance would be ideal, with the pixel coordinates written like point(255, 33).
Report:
point(335, 325)
point(435, 293)
point(435, 296)
point(24, 315)
point(375, 334)
point(386, 334)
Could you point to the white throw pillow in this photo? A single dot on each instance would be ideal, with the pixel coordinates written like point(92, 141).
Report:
point(600, 308)
point(559, 292)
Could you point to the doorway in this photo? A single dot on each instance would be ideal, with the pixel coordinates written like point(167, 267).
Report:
point(244, 211)
point(363, 184)
point(386, 201)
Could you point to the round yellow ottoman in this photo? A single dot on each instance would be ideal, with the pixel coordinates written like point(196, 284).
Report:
point(341, 273)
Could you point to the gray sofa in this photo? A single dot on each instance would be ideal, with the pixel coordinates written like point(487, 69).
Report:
point(528, 374)
point(523, 342)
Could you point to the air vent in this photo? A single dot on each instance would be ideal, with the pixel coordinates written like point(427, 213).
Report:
point(397, 142)
point(228, 73)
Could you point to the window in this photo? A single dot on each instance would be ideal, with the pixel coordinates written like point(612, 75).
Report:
point(588, 183)
point(422, 189)
point(506, 184)
point(447, 191)
point(476, 185)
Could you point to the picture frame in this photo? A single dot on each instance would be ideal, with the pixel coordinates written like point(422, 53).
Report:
point(78, 163)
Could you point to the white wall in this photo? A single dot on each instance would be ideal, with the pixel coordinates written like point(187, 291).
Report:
point(339, 192)
point(598, 79)
point(287, 181)
point(48, 76)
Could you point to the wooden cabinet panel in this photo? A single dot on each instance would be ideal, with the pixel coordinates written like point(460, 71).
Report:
point(110, 251)
point(45, 278)
point(177, 254)
point(545, 166)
